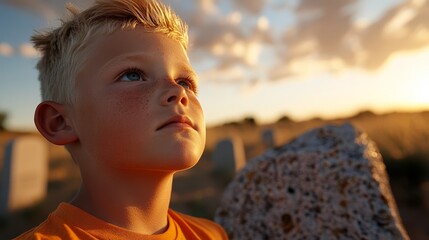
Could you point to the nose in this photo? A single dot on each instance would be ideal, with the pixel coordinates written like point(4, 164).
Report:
point(174, 94)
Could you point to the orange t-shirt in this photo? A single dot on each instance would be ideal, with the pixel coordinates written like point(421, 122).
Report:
point(70, 222)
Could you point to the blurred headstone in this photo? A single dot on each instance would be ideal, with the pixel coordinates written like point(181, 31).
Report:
point(229, 157)
point(329, 183)
point(24, 174)
point(268, 138)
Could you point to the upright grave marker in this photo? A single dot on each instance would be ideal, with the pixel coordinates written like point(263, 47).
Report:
point(229, 157)
point(24, 174)
point(268, 138)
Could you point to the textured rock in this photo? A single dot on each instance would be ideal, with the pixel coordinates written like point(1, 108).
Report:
point(330, 183)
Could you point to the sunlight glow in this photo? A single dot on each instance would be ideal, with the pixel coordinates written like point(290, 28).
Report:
point(410, 72)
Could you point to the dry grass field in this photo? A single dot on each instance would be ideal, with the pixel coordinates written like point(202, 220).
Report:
point(403, 139)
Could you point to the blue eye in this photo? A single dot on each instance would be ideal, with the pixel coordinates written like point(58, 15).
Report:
point(133, 75)
point(185, 84)
point(188, 84)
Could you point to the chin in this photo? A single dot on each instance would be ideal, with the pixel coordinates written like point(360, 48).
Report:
point(168, 161)
point(180, 155)
point(187, 164)
point(181, 161)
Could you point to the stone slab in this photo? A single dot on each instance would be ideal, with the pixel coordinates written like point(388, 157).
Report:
point(24, 174)
point(329, 183)
point(229, 157)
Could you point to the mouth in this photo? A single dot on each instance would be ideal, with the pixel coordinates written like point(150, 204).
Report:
point(179, 121)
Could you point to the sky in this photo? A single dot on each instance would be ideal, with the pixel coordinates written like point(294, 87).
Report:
point(261, 58)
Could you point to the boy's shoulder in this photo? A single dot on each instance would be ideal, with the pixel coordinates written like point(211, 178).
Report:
point(70, 222)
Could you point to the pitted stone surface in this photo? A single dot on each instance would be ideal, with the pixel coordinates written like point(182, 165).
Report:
point(330, 183)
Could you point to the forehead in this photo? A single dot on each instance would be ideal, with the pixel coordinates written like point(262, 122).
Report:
point(135, 45)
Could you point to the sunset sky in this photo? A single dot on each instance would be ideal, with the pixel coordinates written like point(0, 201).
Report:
point(262, 58)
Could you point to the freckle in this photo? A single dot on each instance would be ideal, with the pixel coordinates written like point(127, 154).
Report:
point(144, 102)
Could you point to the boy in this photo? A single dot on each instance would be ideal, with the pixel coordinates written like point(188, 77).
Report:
point(119, 92)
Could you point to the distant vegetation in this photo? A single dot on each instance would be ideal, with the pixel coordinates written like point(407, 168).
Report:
point(247, 121)
point(285, 118)
point(365, 113)
point(3, 117)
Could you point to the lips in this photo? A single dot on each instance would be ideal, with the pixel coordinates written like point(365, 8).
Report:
point(179, 121)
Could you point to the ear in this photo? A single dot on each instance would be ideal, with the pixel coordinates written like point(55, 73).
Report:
point(51, 121)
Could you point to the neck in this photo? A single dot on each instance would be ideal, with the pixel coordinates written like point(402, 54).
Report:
point(135, 200)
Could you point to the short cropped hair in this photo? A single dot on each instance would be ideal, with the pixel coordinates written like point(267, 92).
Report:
point(63, 48)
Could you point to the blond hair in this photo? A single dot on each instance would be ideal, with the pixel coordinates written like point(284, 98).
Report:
point(63, 48)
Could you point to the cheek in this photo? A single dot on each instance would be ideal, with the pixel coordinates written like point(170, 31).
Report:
point(198, 114)
point(129, 106)
point(114, 116)
point(121, 126)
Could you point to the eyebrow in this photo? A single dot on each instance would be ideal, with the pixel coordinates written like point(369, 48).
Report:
point(118, 58)
point(189, 71)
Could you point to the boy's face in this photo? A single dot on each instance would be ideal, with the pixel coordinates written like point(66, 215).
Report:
point(136, 105)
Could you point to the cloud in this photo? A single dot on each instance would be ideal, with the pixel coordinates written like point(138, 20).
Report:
point(263, 23)
point(36, 6)
point(402, 28)
point(208, 6)
point(233, 47)
point(254, 7)
point(27, 50)
point(6, 49)
point(237, 50)
point(232, 74)
point(231, 39)
point(328, 34)
point(51, 9)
